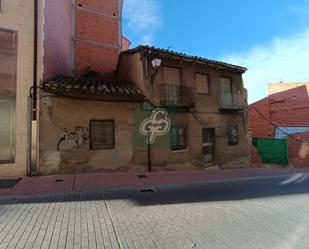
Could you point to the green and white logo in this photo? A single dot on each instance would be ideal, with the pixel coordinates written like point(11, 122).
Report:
point(152, 125)
point(158, 124)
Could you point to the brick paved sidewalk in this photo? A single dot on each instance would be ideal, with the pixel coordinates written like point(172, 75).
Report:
point(97, 181)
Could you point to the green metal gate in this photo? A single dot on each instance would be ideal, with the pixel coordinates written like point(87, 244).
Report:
point(272, 150)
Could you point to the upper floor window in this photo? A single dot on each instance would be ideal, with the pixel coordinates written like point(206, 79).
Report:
point(226, 85)
point(102, 134)
point(202, 83)
point(172, 76)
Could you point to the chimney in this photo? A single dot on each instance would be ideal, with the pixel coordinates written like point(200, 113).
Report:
point(97, 35)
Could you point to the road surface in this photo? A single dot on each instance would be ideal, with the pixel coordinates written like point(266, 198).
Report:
point(267, 213)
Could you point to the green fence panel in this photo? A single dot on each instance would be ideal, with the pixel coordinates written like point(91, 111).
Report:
point(272, 150)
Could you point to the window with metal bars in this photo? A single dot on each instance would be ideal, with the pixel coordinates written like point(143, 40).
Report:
point(179, 137)
point(232, 135)
point(102, 135)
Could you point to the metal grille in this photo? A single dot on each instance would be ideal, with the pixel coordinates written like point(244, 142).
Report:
point(232, 135)
point(102, 134)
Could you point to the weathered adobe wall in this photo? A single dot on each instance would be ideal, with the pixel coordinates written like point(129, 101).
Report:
point(60, 113)
point(131, 68)
point(206, 106)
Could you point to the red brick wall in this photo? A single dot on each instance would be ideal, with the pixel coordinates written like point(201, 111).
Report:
point(125, 43)
point(258, 125)
point(290, 107)
point(286, 105)
point(98, 36)
point(100, 59)
point(96, 28)
point(109, 7)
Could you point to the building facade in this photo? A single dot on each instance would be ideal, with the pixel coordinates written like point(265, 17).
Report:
point(284, 114)
point(16, 80)
point(102, 107)
point(93, 123)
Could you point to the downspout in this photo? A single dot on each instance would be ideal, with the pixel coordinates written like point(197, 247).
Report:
point(33, 90)
point(35, 59)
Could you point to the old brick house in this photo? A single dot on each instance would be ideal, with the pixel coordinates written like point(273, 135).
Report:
point(285, 111)
point(95, 98)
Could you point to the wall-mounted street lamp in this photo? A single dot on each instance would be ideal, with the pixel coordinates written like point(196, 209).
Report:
point(156, 62)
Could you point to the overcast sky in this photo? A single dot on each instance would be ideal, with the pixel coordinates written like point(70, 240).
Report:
point(270, 38)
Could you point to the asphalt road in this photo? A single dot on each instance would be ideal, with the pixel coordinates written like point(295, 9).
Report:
point(260, 213)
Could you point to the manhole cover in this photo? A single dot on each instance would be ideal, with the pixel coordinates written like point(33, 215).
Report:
point(146, 190)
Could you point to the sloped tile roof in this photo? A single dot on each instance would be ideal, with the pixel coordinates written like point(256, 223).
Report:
point(189, 58)
point(97, 89)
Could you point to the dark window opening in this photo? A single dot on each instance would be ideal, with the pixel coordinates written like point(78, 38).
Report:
point(102, 135)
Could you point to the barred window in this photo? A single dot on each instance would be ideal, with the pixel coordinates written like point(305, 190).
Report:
point(102, 135)
point(232, 135)
point(179, 137)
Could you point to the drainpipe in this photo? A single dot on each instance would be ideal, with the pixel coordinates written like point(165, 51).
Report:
point(35, 59)
point(32, 102)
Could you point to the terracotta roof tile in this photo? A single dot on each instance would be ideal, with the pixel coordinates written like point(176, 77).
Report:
point(97, 89)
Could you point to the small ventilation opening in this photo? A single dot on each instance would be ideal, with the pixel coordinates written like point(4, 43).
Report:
point(59, 180)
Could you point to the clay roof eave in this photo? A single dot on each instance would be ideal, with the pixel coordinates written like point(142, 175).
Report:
point(184, 57)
